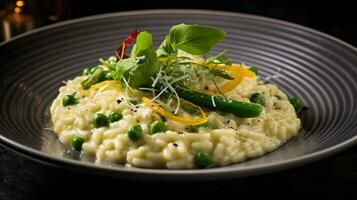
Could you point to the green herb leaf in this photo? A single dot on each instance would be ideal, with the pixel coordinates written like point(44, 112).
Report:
point(143, 43)
point(143, 63)
point(193, 39)
point(123, 67)
point(141, 74)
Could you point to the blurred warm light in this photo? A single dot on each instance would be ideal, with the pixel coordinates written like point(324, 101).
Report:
point(20, 3)
point(17, 10)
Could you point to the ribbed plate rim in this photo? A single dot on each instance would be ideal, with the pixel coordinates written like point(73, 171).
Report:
point(219, 172)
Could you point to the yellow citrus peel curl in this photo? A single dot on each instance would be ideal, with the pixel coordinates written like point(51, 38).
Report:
point(188, 121)
point(238, 72)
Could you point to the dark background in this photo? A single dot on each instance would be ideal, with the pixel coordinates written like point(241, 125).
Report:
point(334, 177)
point(337, 18)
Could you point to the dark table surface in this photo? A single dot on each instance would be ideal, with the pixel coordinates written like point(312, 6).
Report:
point(334, 177)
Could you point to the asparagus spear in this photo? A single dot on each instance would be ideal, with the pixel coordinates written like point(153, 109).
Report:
point(239, 109)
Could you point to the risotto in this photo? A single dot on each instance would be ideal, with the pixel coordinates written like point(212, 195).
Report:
point(172, 109)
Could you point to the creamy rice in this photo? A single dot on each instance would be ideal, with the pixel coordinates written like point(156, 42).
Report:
point(230, 140)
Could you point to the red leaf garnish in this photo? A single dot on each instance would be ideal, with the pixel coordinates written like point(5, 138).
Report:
point(122, 48)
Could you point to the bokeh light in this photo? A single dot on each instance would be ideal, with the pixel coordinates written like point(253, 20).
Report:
point(17, 10)
point(20, 3)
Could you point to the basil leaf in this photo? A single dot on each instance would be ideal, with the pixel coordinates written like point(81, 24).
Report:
point(143, 43)
point(194, 39)
point(141, 66)
point(143, 71)
point(124, 66)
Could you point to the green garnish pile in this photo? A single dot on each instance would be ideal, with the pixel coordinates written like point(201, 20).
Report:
point(167, 72)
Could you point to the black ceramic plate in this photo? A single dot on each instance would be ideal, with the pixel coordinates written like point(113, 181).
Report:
point(318, 68)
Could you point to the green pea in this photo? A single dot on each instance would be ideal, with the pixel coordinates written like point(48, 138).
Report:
point(77, 143)
point(135, 132)
point(253, 69)
point(202, 159)
point(295, 101)
point(157, 126)
point(86, 71)
point(99, 120)
point(115, 116)
point(257, 98)
point(68, 100)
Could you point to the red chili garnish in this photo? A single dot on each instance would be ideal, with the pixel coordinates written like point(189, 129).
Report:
point(121, 49)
